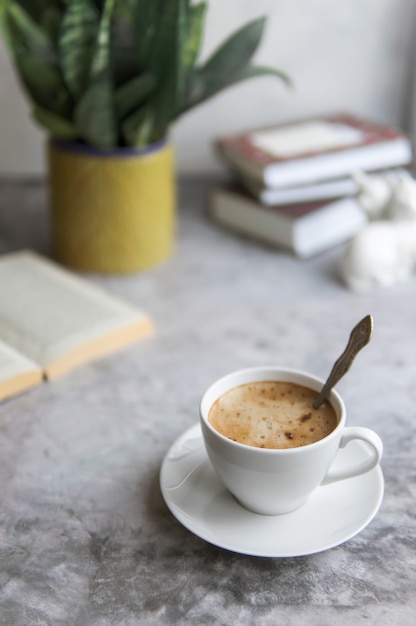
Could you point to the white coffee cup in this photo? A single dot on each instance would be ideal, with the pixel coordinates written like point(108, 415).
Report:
point(276, 481)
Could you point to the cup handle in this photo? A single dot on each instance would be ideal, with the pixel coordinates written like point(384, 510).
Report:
point(364, 434)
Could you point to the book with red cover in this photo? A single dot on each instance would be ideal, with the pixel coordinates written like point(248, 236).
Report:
point(314, 149)
point(305, 228)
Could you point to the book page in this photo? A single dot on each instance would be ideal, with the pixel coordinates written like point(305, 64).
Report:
point(16, 372)
point(47, 312)
point(13, 363)
point(298, 139)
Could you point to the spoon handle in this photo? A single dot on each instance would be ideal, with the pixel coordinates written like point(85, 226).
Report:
point(359, 337)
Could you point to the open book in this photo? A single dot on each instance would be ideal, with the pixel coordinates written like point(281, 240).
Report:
point(52, 321)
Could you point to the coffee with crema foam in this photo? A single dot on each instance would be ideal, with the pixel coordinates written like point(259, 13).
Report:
point(272, 414)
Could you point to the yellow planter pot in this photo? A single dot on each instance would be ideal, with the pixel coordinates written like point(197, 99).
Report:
point(112, 212)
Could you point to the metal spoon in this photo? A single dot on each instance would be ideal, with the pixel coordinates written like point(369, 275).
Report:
point(359, 337)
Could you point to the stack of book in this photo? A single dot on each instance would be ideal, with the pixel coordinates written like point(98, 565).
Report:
point(294, 183)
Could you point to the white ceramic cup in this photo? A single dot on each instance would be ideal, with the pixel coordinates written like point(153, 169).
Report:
point(277, 481)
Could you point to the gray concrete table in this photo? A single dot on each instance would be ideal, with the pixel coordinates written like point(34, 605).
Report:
point(85, 536)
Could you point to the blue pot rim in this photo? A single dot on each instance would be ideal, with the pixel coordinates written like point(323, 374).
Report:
point(79, 148)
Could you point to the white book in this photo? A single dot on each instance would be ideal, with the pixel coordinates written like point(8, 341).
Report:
point(305, 228)
point(52, 321)
point(333, 188)
point(301, 193)
point(319, 149)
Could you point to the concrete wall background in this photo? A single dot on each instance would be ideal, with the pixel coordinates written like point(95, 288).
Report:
point(341, 55)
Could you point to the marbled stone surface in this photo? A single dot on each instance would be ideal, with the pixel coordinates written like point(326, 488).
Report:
point(85, 536)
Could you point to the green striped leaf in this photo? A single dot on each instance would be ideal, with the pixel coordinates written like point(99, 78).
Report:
point(124, 61)
point(182, 27)
point(132, 94)
point(194, 33)
point(138, 128)
point(42, 82)
point(35, 8)
point(231, 58)
point(229, 65)
point(255, 71)
point(189, 47)
point(125, 8)
point(57, 126)
point(51, 24)
point(146, 15)
point(94, 115)
point(200, 93)
point(101, 57)
point(164, 65)
point(4, 26)
point(77, 44)
point(31, 33)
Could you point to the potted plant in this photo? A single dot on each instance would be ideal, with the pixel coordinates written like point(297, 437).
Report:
point(107, 78)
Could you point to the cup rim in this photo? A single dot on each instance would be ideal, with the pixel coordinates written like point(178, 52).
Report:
point(334, 396)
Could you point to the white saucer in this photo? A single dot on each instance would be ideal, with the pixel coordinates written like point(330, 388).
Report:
point(198, 499)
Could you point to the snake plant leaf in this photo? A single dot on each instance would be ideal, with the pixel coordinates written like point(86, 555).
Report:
point(42, 82)
point(189, 47)
point(255, 71)
point(34, 38)
point(164, 65)
point(198, 94)
point(132, 94)
point(195, 26)
point(125, 8)
point(101, 56)
point(77, 44)
point(57, 126)
point(229, 60)
point(146, 15)
point(34, 7)
point(183, 22)
point(63, 105)
point(4, 23)
point(124, 62)
point(51, 23)
point(137, 129)
point(94, 114)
